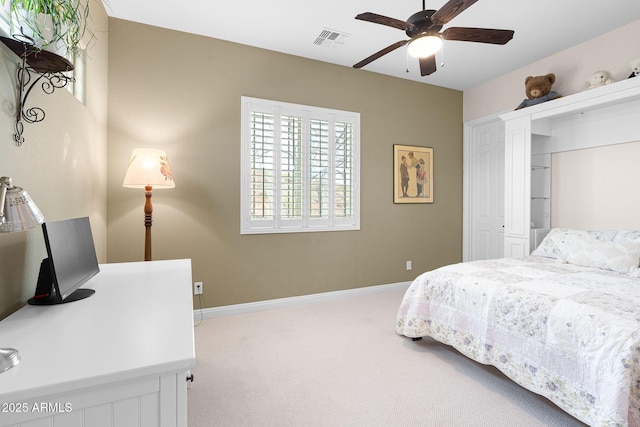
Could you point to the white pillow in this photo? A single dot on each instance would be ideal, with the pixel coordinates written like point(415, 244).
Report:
point(559, 242)
point(621, 257)
point(627, 236)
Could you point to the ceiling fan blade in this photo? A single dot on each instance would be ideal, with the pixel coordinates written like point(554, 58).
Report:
point(384, 20)
point(479, 35)
point(450, 10)
point(380, 53)
point(427, 65)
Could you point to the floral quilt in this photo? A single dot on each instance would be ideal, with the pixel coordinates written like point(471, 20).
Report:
point(567, 332)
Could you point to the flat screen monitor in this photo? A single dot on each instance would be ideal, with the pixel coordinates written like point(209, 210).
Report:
point(71, 261)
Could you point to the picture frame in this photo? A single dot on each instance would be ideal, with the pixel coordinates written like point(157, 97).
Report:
point(412, 174)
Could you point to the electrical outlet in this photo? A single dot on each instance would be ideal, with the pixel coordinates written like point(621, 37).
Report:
point(408, 265)
point(197, 288)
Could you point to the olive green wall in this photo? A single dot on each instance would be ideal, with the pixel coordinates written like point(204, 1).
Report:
point(62, 163)
point(181, 93)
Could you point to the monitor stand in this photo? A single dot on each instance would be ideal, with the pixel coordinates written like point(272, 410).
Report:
point(46, 292)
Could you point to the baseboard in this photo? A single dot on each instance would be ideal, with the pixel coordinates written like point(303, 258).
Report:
point(230, 310)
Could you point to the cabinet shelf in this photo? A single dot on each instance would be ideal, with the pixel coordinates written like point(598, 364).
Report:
point(49, 69)
point(577, 103)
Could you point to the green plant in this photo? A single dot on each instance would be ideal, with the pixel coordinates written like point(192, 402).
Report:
point(51, 22)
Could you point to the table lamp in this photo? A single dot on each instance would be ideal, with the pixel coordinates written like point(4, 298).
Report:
point(17, 213)
point(148, 169)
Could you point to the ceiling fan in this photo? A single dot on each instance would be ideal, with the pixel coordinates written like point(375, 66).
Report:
point(425, 38)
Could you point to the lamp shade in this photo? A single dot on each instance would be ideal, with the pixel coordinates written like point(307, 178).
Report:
point(17, 211)
point(148, 166)
point(424, 46)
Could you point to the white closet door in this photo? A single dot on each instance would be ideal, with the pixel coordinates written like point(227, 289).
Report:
point(487, 190)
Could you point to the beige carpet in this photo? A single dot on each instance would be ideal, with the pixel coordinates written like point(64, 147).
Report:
point(341, 363)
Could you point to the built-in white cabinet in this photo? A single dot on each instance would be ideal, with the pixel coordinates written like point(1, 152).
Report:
point(118, 358)
point(517, 190)
point(601, 116)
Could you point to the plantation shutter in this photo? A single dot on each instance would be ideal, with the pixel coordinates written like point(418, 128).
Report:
point(302, 172)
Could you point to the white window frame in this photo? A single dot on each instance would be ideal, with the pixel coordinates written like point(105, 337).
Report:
point(306, 223)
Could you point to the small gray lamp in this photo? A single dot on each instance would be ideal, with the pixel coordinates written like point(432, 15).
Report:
point(17, 213)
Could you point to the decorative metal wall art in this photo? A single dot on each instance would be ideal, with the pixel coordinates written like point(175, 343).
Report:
point(36, 67)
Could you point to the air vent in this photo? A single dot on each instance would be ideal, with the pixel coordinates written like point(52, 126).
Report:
point(331, 38)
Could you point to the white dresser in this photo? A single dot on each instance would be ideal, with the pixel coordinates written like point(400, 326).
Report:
point(119, 358)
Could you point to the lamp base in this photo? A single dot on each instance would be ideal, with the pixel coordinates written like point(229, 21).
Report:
point(9, 357)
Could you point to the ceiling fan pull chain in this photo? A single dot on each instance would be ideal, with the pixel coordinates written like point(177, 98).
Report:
point(407, 59)
point(442, 56)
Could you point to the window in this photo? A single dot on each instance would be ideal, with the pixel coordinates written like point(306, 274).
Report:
point(300, 168)
point(4, 17)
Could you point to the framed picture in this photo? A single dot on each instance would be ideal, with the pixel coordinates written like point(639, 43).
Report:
point(412, 174)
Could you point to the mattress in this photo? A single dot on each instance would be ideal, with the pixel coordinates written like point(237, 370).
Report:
point(568, 332)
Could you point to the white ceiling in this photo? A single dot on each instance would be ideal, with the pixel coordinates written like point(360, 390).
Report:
point(542, 27)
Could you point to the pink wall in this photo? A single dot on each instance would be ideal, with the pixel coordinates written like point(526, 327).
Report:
point(572, 67)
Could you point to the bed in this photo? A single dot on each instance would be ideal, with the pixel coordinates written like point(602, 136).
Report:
point(563, 322)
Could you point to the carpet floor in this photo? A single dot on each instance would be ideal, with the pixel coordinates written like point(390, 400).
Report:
point(340, 363)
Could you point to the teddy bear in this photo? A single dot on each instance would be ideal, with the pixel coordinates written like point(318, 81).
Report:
point(538, 90)
point(599, 78)
point(635, 67)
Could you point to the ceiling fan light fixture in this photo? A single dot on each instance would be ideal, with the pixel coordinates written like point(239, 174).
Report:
point(425, 38)
point(424, 46)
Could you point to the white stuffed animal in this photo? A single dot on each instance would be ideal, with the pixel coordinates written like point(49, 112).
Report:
point(635, 67)
point(599, 78)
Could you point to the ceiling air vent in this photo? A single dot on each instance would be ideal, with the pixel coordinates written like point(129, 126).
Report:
point(331, 38)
